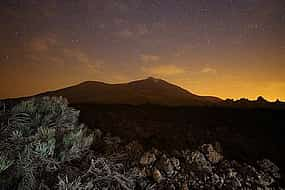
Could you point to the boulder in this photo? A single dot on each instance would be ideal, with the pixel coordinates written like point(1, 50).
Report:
point(164, 164)
point(176, 163)
point(147, 159)
point(157, 177)
point(200, 163)
point(134, 150)
point(211, 154)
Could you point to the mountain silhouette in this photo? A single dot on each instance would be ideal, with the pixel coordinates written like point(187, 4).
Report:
point(146, 91)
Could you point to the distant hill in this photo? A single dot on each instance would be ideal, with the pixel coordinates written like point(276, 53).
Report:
point(146, 91)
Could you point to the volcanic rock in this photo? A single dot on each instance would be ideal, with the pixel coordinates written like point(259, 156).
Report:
point(212, 155)
point(148, 158)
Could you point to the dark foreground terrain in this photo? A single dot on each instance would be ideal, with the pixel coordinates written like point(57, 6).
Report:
point(246, 134)
point(44, 146)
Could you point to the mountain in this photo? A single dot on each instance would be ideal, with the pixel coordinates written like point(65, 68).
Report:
point(146, 91)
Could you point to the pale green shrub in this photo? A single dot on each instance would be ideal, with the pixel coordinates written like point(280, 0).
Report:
point(5, 163)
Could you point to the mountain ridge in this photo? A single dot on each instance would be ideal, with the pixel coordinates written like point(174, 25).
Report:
point(145, 91)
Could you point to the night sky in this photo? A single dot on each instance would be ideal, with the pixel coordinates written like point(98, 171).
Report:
point(224, 48)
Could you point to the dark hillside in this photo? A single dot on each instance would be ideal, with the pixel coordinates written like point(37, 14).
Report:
point(246, 134)
point(150, 90)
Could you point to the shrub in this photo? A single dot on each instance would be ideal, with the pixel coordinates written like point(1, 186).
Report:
point(45, 112)
point(43, 134)
point(5, 163)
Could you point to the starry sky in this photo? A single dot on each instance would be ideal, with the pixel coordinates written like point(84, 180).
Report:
point(224, 48)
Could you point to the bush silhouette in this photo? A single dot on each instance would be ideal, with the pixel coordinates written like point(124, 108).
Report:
point(43, 133)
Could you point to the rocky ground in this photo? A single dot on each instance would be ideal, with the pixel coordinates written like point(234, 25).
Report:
point(72, 159)
point(131, 167)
